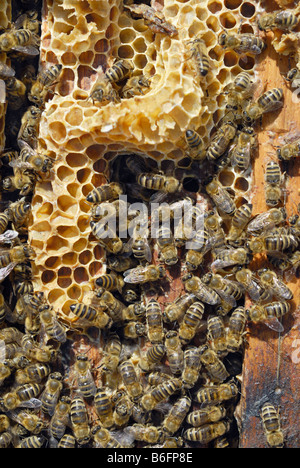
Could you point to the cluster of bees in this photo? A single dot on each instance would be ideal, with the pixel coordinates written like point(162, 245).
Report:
point(169, 371)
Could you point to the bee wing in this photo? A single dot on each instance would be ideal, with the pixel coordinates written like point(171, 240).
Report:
point(4, 272)
point(6, 71)
point(273, 106)
point(27, 50)
point(20, 164)
point(274, 324)
point(19, 21)
point(33, 403)
point(8, 236)
point(2, 350)
point(254, 290)
point(281, 290)
point(226, 297)
point(2, 92)
point(135, 275)
point(223, 200)
point(259, 223)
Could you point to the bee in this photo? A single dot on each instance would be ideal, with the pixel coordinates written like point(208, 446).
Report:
point(220, 197)
point(272, 427)
point(104, 408)
point(154, 322)
point(30, 122)
point(221, 140)
point(15, 88)
point(67, 441)
point(241, 152)
point(34, 350)
point(110, 282)
point(213, 224)
point(191, 367)
point(112, 352)
point(199, 247)
point(239, 90)
point(196, 146)
point(208, 432)
point(266, 220)
point(79, 421)
point(269, 314)
point(228, 290)
point(230, 257)
point(104, 439)
point(242, 43)
point(35, 372)
point(11, 257)
point(251, 285)
point(23, 181)
point(19, 40)
point(152, 357)
point(40, 87)
point(293, 77)
point(273, 179)
point(103, 91)
point(111, 305)
point(32, 442)
point(130, 380)
point(144, 274)
point(119, 70)
point(135, 86)
point(167, 248)
point(271, 282)
point(86, 313)
point(153, 18)
point(172, 422)
point(60, 418)
point(51, 326)
point(134, 311)
point(123, 408)
point(284, 20)
point(18, 212)
point(161, 182)
point(134, 330)
point(177, 309)
point(8, 156)
point(23, 395)
point(199, 55)
point(5, 439)
point(239, 221)
point(30, 159)
point(216, 335)
point(174, 352)
point(217, 393)
point(289, 150)
point(106, 192)
point(120, 263)
point(236, 328)
point(84, 378)
point(206, 415)
point(140, 246)
point(194, 285)
point(268, 102)
point(214, 366)
point(156, 378)
point(160, 393)
point(107, 237)
point(31, 422)
point(51, 393)
point(191, 322)
point(145, 433)
point(274, 243)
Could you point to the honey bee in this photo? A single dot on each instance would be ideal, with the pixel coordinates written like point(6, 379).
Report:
point(102, 91)
point(110, 282)
point(166, 244)
point(145, 433)
point(140, 246)
point(15, 89)
point(216, 335)
point(30, 159)
point(30, 122)
point(284, 20)
point(30, 421)
point(228, 290)
point(214, 366)
point(107, 237)
point(289, 150)
point(67, 441)
point(120, 263)
point(134, 330)
point(79, 421)
point(23, 395)
point(32, 442)
point(161, 182)
point(239, 221)
point(153, 18)
point(252, 286)
point(221, 140)
point(230, 257)
point(50, 395)
point(269, 314)
point(104, 439)
point(19, 40)
point(119, 70)
point(135, 86)
point(241, 152)
point(217, 393)
point(194, 285)
point(220, 197)
point(130, 380)
point(272, 427)
point(274, 243)
point(236, 327)
point(111, 305)
point(177, 309)
point(191, 366)
point(106, 192)
point(11, 257)
point(35, 372)
point(266, 220)
point(196, 146)
point(104, 408)
point(272, 283)
point(40, 87)
point(268, 102)
point(18, 213)
point(84, 378)
point(238, 91)
point(208, 432)
point(123, 408)
point(144, 274)
point(273, 190)
point(154, 322)
point(293, 77)
point(172, 422)
point(199, 54)
point(242, 43)
point(8, 156)
point(86, 313)
point(60, 418)
point(174, 352)
point(152, 357)
point(206, 415)
point(199, 247)
point(160, 393)
point(34, 350)
point(191, 322)
point(51, 326)
point(213, 224)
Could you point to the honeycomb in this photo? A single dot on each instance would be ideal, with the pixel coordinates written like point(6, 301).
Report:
point(85, 138)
